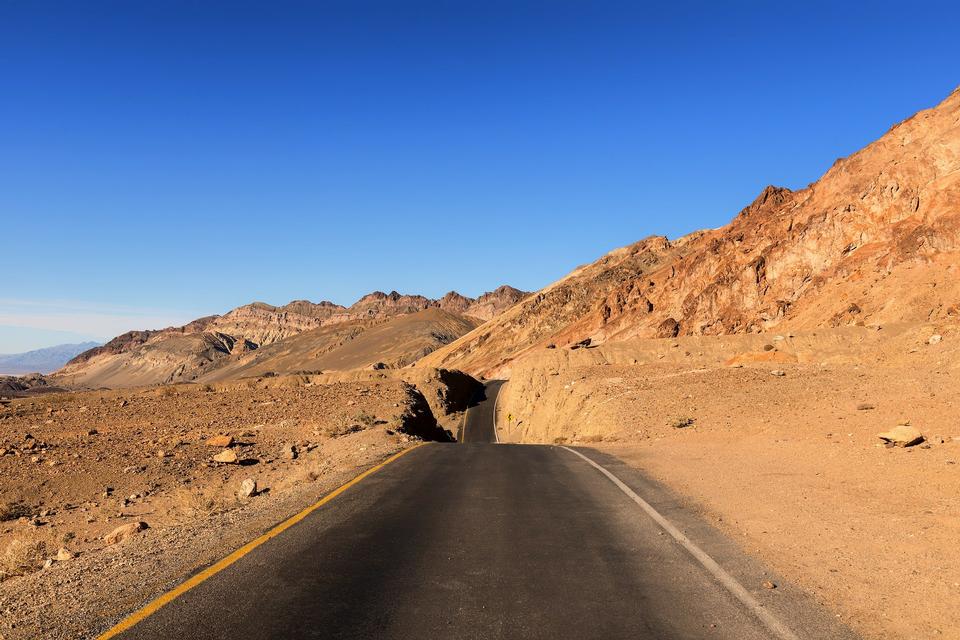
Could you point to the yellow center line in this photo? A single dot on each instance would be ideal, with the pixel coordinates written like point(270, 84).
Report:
point(168, 597)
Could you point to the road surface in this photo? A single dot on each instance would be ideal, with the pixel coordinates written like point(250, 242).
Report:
point(478, 420)
point(477, 541)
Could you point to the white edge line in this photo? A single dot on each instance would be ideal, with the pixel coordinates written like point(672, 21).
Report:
point(496, 403)
point(781, 630)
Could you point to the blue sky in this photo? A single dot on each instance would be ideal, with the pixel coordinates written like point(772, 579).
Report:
point(165, 160)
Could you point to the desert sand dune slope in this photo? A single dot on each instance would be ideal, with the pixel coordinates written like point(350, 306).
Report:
point(198, 349)
point(875, 240)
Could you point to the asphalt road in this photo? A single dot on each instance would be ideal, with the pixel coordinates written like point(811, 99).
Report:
point(480, 540)
point(478, 420)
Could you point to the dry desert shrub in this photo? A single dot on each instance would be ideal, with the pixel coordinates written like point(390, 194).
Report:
point(344, 424)
point(167, 391)
point(365, 419)
point(21, 557)
point(14, 510)
point(202, 503)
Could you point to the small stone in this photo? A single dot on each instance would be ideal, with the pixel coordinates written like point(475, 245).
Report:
point(289, 451)
point(227, 456)
point(767, 584)
point(92, 432)
point(221, 441)
point(934, 339)
point(778, 372)
point(49, 563)
point(248, 488)
point(866, 406)
point(65, 554)
point(125, 531)
point(768, 347)
point(902, 436)
point(162, 454)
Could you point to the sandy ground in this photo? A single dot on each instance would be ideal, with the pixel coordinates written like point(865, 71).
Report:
point(789, 464)
point(77, 466)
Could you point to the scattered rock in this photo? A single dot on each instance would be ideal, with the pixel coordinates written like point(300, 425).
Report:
point(227, 456)
point(65, 554)
point(934, 339)
point(767, 584)
point(551, 346)
point(583, 343)
point(221, 441)
point(288, 451)
point(768, 347)
point(92, 432)
point(902, 436)
point(123, 532)
point(866, 406)
point(248, 488)
point(377, 366)
point(778, 372)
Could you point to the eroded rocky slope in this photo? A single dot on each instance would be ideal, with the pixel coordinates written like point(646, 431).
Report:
point(875, 240)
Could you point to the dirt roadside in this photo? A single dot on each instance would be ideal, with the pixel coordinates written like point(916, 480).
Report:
point(779, 447)
point(78, 466)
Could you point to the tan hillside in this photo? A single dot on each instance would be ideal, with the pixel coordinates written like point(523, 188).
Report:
point(875, 240)
point(203, 347)
point(356, 344)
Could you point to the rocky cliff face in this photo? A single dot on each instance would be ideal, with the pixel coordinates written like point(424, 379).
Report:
point(875, 240)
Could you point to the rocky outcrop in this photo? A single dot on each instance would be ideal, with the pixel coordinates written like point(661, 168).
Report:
point(16, 386)
point(453, 302)
point(875, 240)
point(493, 303)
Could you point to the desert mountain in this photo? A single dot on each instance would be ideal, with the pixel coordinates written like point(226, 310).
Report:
point(392, 342)
point(327, 335)
point(875, 240)
point(42, 360)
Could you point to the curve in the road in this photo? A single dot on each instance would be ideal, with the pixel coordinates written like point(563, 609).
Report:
point(480, 419)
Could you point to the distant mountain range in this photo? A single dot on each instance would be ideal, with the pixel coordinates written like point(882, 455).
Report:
point(42, 360)
point(381, 329)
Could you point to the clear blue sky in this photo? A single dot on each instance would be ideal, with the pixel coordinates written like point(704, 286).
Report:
point(165, 160)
